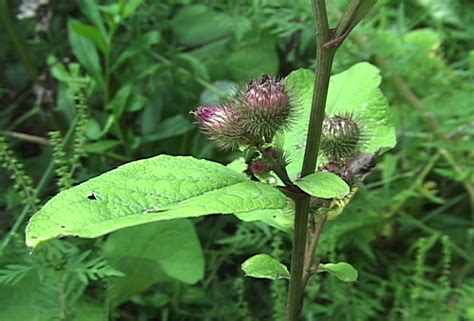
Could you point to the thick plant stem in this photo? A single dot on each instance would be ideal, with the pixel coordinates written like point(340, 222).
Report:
point(327, 41)
point(296, 288)
point(324, 61)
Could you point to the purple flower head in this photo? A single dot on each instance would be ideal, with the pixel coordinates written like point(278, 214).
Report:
point(252, 118)
point(265, 107)
point(220, 124)
point(266, 92)
point(212, 116)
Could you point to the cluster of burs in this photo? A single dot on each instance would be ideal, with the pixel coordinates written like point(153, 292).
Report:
point(266, 106)
point(251, 118)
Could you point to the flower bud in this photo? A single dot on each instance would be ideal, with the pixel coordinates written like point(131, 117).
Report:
point(265, 107)
point(259, 167)
point(278, 156)
point(220, 124)
point(340, 137)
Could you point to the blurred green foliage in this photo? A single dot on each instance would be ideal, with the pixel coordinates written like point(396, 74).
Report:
point(116, 80)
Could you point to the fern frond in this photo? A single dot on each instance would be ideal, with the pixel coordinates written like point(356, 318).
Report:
point(14, 273)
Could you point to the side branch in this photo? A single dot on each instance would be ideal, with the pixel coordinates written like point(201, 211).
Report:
point(311, 261)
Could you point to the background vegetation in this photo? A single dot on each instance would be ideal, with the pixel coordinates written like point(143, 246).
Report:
point(85, 87)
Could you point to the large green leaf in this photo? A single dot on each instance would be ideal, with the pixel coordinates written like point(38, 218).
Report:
point(353, 92)
point(154, 252)
point(150, 190)
point(140, 274)
point(173, 244)
point(281, 218)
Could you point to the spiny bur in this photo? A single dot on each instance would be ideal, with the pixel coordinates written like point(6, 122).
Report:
point(265, 107)
point(252, 118)
point(341, 137)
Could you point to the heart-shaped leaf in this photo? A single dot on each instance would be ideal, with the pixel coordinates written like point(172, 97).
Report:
point(353, 92)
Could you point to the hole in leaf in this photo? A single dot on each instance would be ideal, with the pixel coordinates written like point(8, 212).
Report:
point(92, 197)
point(63, 226)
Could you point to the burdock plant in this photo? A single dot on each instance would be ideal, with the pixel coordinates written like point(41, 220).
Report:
point(316, 138)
